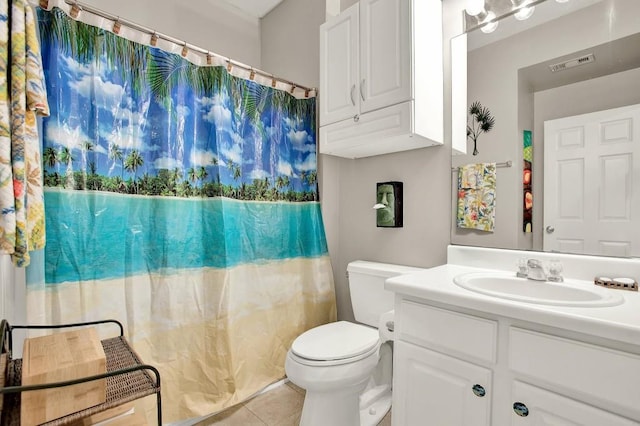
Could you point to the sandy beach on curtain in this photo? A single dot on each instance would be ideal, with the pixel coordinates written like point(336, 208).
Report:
point(200, 326)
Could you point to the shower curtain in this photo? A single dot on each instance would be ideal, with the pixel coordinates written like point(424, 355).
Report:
point(182, 201)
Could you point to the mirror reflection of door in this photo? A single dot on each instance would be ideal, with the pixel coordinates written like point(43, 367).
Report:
point(591, 201)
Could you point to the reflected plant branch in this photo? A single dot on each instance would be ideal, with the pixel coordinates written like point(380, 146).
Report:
point(481, 122)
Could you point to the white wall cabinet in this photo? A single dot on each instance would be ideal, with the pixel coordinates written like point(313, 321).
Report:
point(375, 55)
point(339, 65)
point(528, 376)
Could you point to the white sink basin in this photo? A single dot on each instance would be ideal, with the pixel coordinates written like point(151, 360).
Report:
point(569, 293)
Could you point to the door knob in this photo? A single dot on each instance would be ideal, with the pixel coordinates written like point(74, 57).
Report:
point(550, 229)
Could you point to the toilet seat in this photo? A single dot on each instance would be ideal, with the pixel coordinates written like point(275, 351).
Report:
point(335, 343)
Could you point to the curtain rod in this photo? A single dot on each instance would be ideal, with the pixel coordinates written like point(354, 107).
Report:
point(507, 163)
point(77, 7)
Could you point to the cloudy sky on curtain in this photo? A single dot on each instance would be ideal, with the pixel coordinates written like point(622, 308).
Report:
point(183, 201)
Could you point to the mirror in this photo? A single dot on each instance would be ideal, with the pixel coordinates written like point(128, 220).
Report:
point(584, 128)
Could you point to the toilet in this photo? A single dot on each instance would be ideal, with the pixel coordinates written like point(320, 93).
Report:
point(346, 367)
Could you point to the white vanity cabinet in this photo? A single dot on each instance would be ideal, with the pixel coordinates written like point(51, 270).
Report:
point(381, 87)
point(545, 408)
point(435, 389)
point(437, 376)
point(529, 375)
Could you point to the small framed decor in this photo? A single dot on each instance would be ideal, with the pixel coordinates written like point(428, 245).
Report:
point(389, 205)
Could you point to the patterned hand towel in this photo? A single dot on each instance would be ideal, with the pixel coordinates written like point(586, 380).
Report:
point(477, 196)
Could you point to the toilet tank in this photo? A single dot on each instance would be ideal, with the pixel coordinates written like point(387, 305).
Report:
point(369, 299)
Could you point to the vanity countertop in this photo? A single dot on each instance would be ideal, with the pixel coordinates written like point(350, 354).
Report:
point(620, 323)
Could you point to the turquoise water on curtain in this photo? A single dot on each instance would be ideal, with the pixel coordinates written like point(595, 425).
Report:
point(96, 235)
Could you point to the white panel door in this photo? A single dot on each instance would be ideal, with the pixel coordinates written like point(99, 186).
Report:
point(339, 98)
point(533, 406)
point(592, 183)
point(433, 389)
point(385, 53)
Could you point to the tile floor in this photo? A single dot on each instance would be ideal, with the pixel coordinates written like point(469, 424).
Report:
point(280, 406)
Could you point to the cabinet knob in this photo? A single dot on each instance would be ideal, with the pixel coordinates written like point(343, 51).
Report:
point(520, 409)
point(362, 89)
point(353, 99)
point(356, 118)
point(550, 229)
point(478, 391)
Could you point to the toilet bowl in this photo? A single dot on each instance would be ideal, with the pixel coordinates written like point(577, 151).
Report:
point(346, 367)
point(334, 364)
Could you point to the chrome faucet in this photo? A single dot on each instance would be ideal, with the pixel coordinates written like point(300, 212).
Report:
point(536, 270)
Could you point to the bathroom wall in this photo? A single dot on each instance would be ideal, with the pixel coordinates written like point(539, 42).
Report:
point(290, 39)
point(210, 24)
point(348, 187)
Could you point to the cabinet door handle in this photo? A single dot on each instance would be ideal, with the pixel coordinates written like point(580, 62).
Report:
point(353, 99)
point(478, 390)
point(520, 409)
point(362, 89)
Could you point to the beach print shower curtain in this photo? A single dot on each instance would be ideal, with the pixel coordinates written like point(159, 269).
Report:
point(182, 201)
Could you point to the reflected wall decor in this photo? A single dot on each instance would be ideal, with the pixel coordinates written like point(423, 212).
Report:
point(527, 193)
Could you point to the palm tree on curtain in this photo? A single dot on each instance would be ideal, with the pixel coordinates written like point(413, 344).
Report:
point(216, 163)
point(85, 148)
point(131, 164)
point(167, 71)
point(50, 159)
point(116, 154)
point(192, 175)
point(201, 176)
point(87, 43)
point(312, 178)
point(66, 157)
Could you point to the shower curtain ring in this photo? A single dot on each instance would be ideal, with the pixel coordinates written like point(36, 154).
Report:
point(116, 26)
point(75, 10)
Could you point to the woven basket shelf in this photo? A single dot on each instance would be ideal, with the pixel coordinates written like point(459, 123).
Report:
point(128, 379)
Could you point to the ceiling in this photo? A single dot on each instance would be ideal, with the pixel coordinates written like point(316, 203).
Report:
point(254, 8)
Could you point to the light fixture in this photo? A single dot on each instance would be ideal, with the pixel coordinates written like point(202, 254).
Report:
point(486, 19)
point(489, 23)
point(562, 1)
point(475, 7)
point(523, 12)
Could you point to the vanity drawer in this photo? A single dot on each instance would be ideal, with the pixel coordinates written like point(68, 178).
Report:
point(453, 332)
point(582, 369)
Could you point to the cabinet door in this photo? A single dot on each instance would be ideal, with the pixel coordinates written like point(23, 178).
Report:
point(430, 388)
point(385, 53)
point(339, 98)
point(543, 408)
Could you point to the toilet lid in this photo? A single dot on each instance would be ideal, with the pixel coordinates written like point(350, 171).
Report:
point(337, 340)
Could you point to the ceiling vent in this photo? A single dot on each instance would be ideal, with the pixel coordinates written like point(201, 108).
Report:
point(571, 63)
